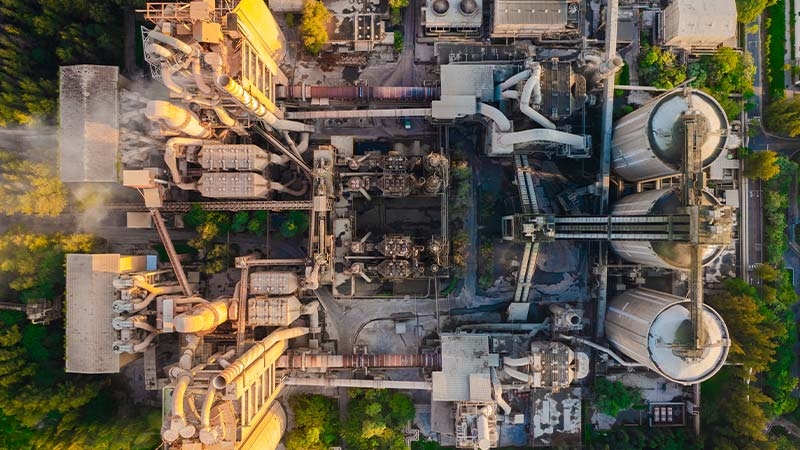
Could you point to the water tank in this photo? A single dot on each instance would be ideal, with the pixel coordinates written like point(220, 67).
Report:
point(648, 325)
point(666, 254)
point(649, 142)
point(468, 7)
point(440, 7)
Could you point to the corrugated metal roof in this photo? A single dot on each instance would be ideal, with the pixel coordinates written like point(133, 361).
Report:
point(462, 356)
point(476, 80)
point(88, 123)
point(690, 23)
point(523, 17)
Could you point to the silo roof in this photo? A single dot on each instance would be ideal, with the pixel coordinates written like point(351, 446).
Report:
point(664, 331)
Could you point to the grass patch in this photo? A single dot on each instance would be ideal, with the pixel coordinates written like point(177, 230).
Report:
point(774, 49)
point(623, 77)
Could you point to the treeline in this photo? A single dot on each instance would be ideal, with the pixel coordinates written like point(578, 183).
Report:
point(38, 36)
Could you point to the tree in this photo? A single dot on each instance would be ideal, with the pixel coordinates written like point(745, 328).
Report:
point(29, 188)
point(375, 419)
point(613, 397)
point(313, 27)
point(316, 422)
point(749, 10)
point(397, 4)
point(658, 67)
point(783, 116)
point(296, 223)
point(761, 165)
point(766, 273)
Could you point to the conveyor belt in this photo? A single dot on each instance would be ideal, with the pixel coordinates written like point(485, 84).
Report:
point(266, 205)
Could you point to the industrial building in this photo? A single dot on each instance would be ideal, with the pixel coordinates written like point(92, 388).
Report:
point(699, 27)
point(233, 132)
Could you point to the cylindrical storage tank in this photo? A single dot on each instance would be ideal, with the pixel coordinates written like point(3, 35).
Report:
point(649, 142)
point(665, 254)
point(648, 325)
point(233, 185)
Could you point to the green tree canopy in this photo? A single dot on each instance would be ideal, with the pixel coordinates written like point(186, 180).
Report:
point(761, 165)
point(657, 67)
point(783, 116)
point(316, 422)
point(313, 27)
point(375, 419)
point(613, 397)
point(29, 188)
point(749, 10)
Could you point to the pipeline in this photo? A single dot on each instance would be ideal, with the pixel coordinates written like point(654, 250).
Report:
point(203, 318)
point(408, 93)
point(173, 42)
point(304, 361)
point(198, 77)
point(513, 373)
point(211, 392)
point(544, 135)
point(178, 422)
point(534, 84)
point(287, 190)
point(505, 85)
point(606, 350)
point(185, 361)
point(361, 113)
point(500, 119)
point(171, 84)
point(498, 391)
point(312, 311)
point(370, 384)
point(171, 154)
point(516, 362)
point(532, 328)
point(159, 50)
point(510, 94)
point(250, 103)
point(176, 118)
point(237, 367)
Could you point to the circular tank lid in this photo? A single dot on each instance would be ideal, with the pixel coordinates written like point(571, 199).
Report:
point(440, 6)
point(468, 7)
point(671, 327)
point(666, 125)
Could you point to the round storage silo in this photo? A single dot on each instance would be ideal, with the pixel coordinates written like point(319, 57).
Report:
point(654, 253)
point(649, 142)
point(651, 327)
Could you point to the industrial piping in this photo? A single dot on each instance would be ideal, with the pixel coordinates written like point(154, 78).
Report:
point(533, 86)
point(250, 103)
point(606, 350)
point(370, 384)
point(544, 135)
point(176, 118)
point(500, 119)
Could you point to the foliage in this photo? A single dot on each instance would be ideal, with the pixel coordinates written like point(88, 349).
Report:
point(631, 438)
point(725, 72)
point(775, 203)
point(486, 265)
point(783, 116)
point(313, 27)
point(398, 40)
point(375, 419)
point(460, 248)
point(296, 223)
point(774, 43)
point(749, 10)
point(395, 16)
point(217, 259)
point(38, 36)
point(761, 165)
point(291, 20)
point(29, 188)
point(36, 261)
point(461, 194)
point(316, 420)
point(397, 4)
point(622, 77)
point(657, 67)
point(613, 397)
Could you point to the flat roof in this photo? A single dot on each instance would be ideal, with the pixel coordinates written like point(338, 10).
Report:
point(528, 16)
point(462, 357)
point(88, 125)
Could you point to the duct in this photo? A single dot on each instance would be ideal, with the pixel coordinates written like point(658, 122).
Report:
point(369, 384)
point(159, 50)
point(211, 392)
point(302, 146)
point(544, 135)
point(484, 443)
point(533, 328)
point(606, 350)
point(500, 119)
point(185, 362)
point(176, 118)
point(172, 42)
point(120, 306)
point(197, 73)
point(497, 388)
point(513, 373)
point(225, 118)
point(251, 104)
point(312, 311)
point(171, 84)
point(361, 113)
point(516, 362)
point(533, 87)
point(178, 426)
point(250, 356)
point(142, 346)
point(510, 94)
point(593, 59)
point(203, 317)
point(171, 154)
point(515, 79)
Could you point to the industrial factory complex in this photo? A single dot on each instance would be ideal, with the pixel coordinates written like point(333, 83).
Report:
point(594, 252)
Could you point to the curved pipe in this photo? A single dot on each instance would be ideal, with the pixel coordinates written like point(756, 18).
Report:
point(516, 362)
point(500, 119)
point(533, 84)
point(197, 73)
point(159, 50)
point(202, 318)
point(250, 103)
point(154, 292)
point(185, 362)
point(287, 190)
point(498, 391)
point(172, 42)
point(302, 146)
point(142, 346)
point(515, 79)
point(176, 118)
point(544, 135)
point(513, 373)
point(178, 421)
point(510, 94)
point(312, 311)
point(171, 154)
point(238, 366)
point(605, 350)
point(171, 84)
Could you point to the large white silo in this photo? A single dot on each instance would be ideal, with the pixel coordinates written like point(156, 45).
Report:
point(666, 254)
point(652, 328)
point(649, 142)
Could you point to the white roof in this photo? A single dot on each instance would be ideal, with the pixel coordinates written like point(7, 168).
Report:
point(689, 23)
point(462, 357)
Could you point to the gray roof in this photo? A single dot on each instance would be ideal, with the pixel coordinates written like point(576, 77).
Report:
point(689, 23)
point(88, 123)
point(90, 293)
point(462, 357)
point(528, 17)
